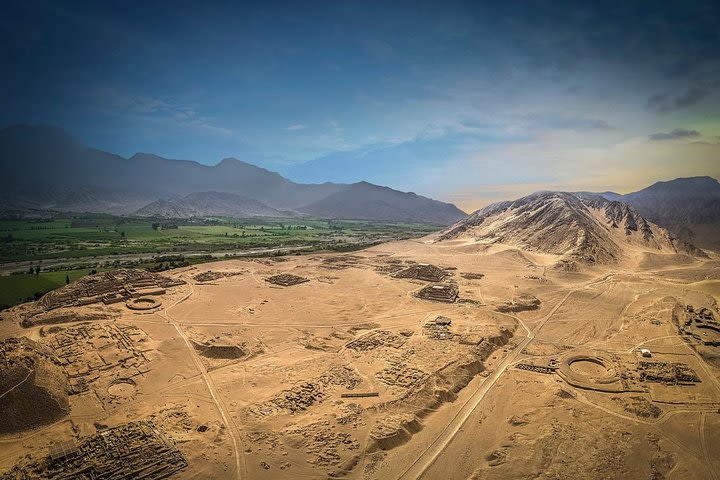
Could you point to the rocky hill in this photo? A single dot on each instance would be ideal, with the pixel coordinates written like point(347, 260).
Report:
point(583, 228)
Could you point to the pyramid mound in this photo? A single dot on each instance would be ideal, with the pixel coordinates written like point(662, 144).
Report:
point(119, 284)
point(33, 386)
point(520, 303)
point(583, 228)
point(212, 348)
point(422, 271)
point(286, 279)
point(439, 292)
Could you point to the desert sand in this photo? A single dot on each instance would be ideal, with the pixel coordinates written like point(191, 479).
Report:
point(414, 359)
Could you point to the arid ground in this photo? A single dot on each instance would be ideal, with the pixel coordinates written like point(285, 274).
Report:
point(411, 359)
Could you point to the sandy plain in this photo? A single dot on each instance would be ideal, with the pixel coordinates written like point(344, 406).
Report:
point(530, 372)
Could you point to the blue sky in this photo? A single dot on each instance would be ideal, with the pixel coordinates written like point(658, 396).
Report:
point(466, 102)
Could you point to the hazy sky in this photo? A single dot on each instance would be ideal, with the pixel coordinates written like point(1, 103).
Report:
point(465, 102)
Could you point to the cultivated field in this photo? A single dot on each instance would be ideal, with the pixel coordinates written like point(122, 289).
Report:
point(59, 247)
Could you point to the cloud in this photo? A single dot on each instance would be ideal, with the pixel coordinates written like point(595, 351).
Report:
point(111, 101)
point(676, 134)
point(578, 124)
point(205, 124)
point(508, 172)
point(296, 127)
point(664, 102)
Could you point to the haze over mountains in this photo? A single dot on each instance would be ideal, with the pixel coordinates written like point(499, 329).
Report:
point(43, 167)
point(688, 207)
point(208, 204)
point(582, 228)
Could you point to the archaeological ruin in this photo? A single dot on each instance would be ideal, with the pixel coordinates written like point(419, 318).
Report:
point(701, 325)
point(530, 367)
point(439, 329)
point(134, 451)
point(520, 303)
point(472, 276)
point(592, 370)
point(94, 355)
point(422, 271)
point(121, 285)
point(215, 349)
point(440, 292)
point(669, 373)
point(376, 339)
point(211, 276)
point(286, 280)
point(33, 386)
point(143, 303)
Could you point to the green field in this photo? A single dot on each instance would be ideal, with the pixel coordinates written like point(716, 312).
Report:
point(63, 245)
point(23, 287)
point(100, 235)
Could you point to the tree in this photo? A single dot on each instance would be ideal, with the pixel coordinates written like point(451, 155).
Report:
point(67, 279)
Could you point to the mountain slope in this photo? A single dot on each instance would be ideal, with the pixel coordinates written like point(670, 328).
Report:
point(688, 207)
point(204, 204)
point(44, 168)
point(580, 227)
point(367, 201)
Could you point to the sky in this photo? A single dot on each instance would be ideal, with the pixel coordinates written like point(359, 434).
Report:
point(467, 102)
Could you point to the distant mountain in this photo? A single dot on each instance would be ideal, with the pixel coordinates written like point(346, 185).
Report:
point(367, 201)
point(44, 168)
point(582, 228)
point(687, 207)
point(208, 204)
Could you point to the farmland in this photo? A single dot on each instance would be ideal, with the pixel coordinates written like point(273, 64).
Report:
point(74, 245)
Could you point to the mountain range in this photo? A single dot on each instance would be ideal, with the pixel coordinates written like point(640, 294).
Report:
point(208, 204)
point(45, 168)
point(688, 207)
point(580, 228)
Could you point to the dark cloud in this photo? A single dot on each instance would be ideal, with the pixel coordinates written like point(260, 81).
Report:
point(216, 65)
point(659, 102)
point(715, 141)
point(663, 102)
point(691, 97)
point(676, 134)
